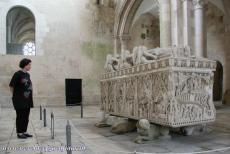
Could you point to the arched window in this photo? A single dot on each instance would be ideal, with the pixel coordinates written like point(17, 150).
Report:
point(20, 38)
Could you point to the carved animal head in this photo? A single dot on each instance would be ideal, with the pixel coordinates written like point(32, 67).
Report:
point(143, 124)
point(143, 127)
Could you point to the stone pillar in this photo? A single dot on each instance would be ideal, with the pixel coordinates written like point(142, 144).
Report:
point(186, 23)
point(165, 23)
point(174, 22)
point(116, 45)
point(124, 41)
point(199, 36)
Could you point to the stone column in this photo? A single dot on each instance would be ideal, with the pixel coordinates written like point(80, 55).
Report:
point(186, 23)
point(174, 22)
point(124, 41)
point(199, 36)
point(165, 23)
point(116, 45)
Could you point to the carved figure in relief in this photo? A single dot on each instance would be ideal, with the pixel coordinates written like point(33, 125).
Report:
point(142, 56)
point(119, 96)
point(126, 59)
point(159, 98)
point(144, 96)
point(104, 90)
point(188, 112)
point(130, 96)
point(192, 83)
point(111, 96)
point(111, 63)
point(159, 52)
point(141, 99)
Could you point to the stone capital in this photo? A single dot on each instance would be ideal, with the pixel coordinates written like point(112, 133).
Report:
point(198, 4)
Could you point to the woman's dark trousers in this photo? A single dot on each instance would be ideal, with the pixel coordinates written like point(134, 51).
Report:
point(22, 120)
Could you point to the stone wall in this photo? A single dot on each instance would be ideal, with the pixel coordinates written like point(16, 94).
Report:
point(72, 40)
point(145, 31)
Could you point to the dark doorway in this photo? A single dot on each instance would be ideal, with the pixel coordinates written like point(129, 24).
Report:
point(73, 92)
point(218, 82)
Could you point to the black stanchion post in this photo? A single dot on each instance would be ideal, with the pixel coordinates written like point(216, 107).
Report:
point(68, 138)
point(40, 112)
point(44, 116)
point(81, 110)
point(52, 125)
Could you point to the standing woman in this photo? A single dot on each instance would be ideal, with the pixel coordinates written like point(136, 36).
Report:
point(21, 88)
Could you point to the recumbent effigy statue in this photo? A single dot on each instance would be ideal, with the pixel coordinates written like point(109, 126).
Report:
point(162, 88)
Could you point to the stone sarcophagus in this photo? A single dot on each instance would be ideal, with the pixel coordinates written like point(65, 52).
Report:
point(170, 91)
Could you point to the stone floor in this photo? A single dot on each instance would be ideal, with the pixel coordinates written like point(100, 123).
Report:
point(92, 140)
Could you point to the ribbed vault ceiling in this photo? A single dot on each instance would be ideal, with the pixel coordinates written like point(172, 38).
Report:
point(21, 26)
